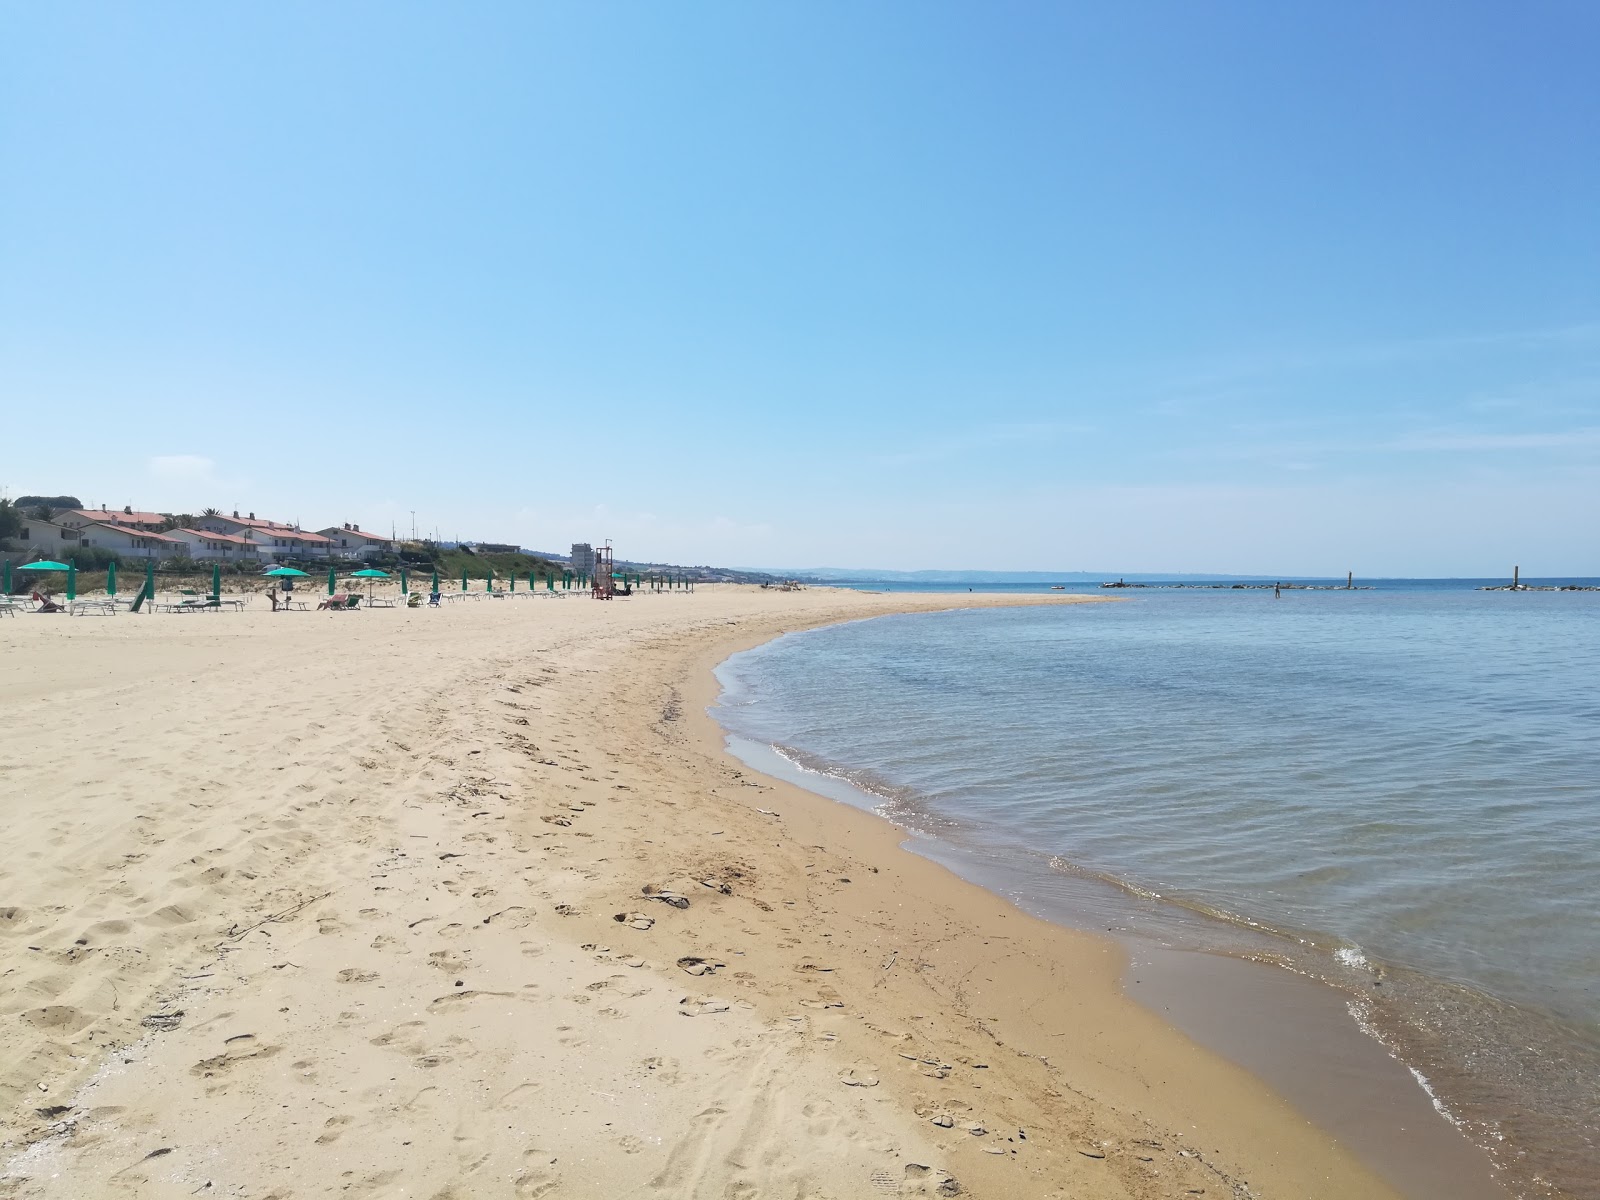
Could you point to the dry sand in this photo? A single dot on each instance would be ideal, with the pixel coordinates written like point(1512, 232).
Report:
point(319, 904)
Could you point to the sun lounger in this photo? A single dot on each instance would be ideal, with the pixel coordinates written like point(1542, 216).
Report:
point(106, 608)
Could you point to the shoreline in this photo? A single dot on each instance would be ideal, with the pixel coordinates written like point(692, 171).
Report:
point(398, 924)
point(1282, 1025)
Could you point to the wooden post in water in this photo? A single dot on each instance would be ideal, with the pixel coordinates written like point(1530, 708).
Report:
point(1349, 580)
point(1516, 574)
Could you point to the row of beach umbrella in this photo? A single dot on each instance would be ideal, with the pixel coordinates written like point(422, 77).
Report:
point(369, 574)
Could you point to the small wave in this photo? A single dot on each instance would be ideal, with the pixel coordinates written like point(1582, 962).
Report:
point(1351, 956)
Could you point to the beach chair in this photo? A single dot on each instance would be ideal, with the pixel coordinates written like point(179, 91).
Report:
point(353, 601)
point(336, 602)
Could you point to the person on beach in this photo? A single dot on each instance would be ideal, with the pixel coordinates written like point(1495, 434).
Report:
point(1277, 591)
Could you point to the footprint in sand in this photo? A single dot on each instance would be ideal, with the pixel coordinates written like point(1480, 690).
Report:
point(700, 966)
point(240, 1049)
point(352, 975)
point(332, 1130)
point(457, 999)
point(858, 1076)
point(701, 1006)
point(634, 920)
point(538, 1178)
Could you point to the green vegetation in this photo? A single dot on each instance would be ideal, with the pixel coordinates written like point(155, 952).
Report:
point(31, 504)
point(450, 563)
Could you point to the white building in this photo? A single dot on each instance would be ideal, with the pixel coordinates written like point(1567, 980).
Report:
point(352, 541)
point(209, 544)
point(52, 539)
point(274, 539)
point(582, 558)
point(131, 542)
point(77, 518)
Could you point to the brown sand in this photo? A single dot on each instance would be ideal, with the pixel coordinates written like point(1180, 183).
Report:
point(323, 904)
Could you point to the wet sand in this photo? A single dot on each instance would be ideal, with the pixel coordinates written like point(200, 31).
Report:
point(328, 904)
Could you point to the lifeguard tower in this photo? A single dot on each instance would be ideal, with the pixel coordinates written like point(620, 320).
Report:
point(604, 585)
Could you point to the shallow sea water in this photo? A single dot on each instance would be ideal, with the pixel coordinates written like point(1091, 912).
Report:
point(1397, 787)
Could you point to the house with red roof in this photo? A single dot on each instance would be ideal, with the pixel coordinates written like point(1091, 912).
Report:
point(131, 541)
point(209, 544)
point(352, 541)
point(273, 539)
point(77, 518)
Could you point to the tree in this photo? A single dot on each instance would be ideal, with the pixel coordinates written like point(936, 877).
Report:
point(209, 512)
point(10, 520)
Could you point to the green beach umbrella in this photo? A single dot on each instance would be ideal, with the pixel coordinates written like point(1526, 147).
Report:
point(488, 581)
point(45, 564)
point(6, 582)
point(511, 582)
point(331, 583)
point(405, 583)
point(370, 573)
point(285, 573)
point(216, 581)
point(436, 583)
point(149, 593)
point(463, 579)
point(111, 578)
point(72, 581)
point(549, 581)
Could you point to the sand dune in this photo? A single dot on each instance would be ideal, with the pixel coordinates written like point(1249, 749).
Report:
point(469, 903)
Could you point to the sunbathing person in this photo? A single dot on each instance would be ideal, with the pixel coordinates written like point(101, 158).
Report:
point(46, 604)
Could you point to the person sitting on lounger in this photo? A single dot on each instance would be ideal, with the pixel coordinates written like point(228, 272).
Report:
point(46, 604)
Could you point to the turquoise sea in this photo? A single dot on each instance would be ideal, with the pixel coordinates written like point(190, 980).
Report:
point(1396, 790)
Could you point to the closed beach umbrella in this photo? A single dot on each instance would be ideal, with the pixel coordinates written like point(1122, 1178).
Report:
point(72, 581)
point(150, 580)
point(488, 581)
point(111, 578)
point(511, 582)
point(331, 583)
point(7, 581)
point(463, 579)
point(436, 583)
point(216, 581)
point(405, 583)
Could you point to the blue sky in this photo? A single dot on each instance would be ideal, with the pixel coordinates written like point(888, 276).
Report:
point(1228, 287)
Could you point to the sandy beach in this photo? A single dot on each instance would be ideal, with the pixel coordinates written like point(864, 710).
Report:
point(471, 903)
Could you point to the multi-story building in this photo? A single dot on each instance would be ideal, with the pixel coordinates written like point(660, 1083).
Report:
point(583, 558)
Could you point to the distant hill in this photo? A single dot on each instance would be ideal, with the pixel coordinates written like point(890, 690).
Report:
point(53, 503)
